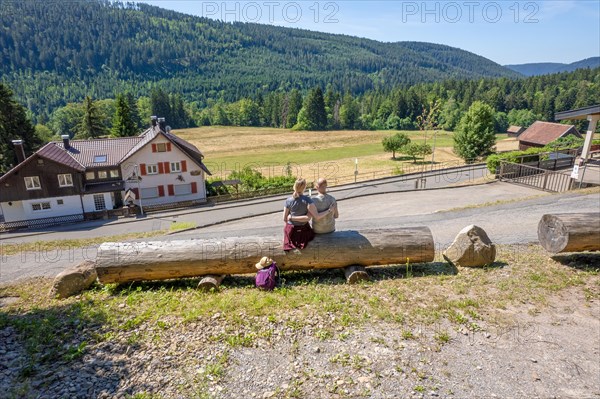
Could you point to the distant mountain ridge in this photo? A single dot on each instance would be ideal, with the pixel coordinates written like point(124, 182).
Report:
point(545, 68)
point(56, 52)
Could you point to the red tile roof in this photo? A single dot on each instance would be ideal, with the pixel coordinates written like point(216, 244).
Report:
point(81, 153)
point(84, 151)
point(52, 152)
point(546, 132)
point(514, 129)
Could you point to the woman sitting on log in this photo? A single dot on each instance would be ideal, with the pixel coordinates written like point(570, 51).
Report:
point(299, 210)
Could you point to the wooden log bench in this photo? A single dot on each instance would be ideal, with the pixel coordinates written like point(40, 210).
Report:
point(161, 260)
point(570, 232)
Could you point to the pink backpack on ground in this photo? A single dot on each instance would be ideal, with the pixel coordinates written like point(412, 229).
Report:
point(267, 278)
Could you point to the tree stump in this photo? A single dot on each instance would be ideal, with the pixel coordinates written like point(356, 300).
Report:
point(355, 274)
point(570, 232)
point(210, 282)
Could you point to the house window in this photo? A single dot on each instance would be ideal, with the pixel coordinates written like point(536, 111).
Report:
point(150, 192)
point(114, 173)
point(100, 159)
point(65, 180)
point(161, 147)
point(32, 183)
point(99, 203)
point(60, 202)
point(152, 169)
point(183, 189)
point(41, 206)
point(90, 175)
point(175, 167)
point(102, 174)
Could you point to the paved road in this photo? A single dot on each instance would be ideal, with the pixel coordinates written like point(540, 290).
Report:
point(506, 223)
point(211, 214)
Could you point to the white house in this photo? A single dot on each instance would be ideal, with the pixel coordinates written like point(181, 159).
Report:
point(77, 179)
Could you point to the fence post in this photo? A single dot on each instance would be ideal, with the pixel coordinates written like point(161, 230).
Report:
point(545, 179)
point(501, 170)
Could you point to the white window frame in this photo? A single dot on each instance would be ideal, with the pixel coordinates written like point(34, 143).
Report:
point(175, 167)
point(99, 199)
point(149, 192)
point(102, 172)
point(43, 206)
point(114, 173)
point(161, 145)
point(181, 186)
point(152, 169)
point(65, 180)
point(33, 183)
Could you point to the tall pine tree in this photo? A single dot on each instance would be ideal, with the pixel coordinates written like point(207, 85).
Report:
point(123, 123)
point(14, 125)
point(313, 115)
point(91, 125)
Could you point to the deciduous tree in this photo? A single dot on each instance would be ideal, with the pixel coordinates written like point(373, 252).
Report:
point(475, 135)
point(395, 143)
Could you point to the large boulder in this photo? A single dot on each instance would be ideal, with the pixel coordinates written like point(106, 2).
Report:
point(72, 281)
point(471, 248)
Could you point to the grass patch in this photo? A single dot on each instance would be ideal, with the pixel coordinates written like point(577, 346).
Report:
point(176, 226)
point(7, 249)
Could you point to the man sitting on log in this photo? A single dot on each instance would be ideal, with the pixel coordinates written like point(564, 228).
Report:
point(324, 202)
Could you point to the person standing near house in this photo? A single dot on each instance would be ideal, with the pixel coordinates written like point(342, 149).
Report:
point(324, 202)
point(298, 211)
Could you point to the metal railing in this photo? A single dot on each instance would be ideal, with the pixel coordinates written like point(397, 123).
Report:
point(38, 223)
point(531, 176)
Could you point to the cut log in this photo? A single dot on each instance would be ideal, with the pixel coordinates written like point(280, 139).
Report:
point(160, 260)
point(355, 273)
point(570, 232)
point(210, 282)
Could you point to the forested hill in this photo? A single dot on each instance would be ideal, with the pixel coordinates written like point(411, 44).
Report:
point(54, 52)
point(545, 68)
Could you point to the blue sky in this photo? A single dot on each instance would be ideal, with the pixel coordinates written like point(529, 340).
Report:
point(507, 32)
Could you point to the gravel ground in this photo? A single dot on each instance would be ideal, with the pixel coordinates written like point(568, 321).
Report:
point(547, 354)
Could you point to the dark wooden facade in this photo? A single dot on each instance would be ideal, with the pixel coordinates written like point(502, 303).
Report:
point(12, 186)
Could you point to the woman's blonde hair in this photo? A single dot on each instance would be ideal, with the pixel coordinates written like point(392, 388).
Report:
point(299, 187)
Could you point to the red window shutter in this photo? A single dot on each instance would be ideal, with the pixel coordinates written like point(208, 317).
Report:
point(171, 190)
point(161, 168)
point(136, 192)
point(153, 147)
point(168, 146)
point(161, 191)
point(143, 169)
point(183, 166)
point(167, 167)
point(194, 187)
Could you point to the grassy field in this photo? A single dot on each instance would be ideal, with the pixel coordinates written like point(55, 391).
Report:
point(147, 315)
point(330, 154)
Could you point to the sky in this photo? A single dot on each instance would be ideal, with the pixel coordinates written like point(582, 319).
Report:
point(507, 32)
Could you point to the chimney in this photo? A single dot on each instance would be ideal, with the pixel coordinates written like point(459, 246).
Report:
point(162, 124)
point(65, 139)
point(153, 119)
point(19, 150)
